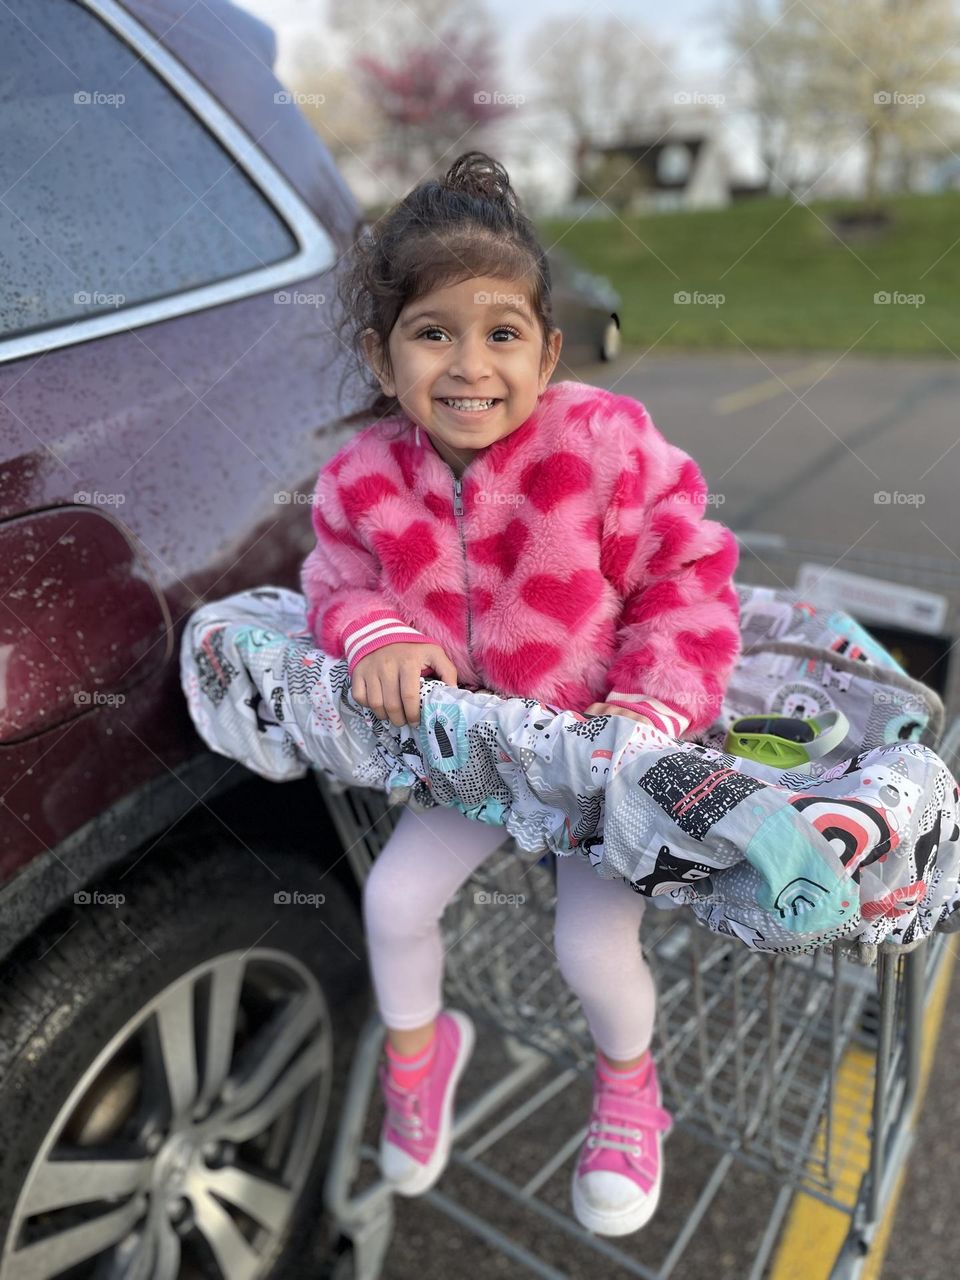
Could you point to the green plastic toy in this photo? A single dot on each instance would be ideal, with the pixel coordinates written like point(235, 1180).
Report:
point(786, 742)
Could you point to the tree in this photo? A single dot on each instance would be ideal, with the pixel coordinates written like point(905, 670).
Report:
point(383, 30)
point(605, 80)
point(428, 70)
point(331, 98)
point(766, 57)
point(836, 74)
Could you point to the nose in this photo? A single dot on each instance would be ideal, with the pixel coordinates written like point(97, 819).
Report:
point(471, 359)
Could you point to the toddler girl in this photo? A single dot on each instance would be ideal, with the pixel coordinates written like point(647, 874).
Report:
point(544, 542)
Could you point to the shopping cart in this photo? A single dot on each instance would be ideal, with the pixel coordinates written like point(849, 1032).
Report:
point(788, 1077)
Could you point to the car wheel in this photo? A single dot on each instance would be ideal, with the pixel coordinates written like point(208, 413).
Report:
point(167, 1065)
point(610, 346)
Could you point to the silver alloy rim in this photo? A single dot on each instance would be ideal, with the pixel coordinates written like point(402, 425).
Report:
point(187, 1141)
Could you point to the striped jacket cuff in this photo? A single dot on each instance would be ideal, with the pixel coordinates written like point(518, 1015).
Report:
point(664, 717)
point(376, 630)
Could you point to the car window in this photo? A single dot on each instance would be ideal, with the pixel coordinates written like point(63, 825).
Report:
point(113, 192)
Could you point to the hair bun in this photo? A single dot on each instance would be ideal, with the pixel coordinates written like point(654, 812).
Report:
point(479, 175)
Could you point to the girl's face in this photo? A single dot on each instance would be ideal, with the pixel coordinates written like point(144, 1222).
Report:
point(475, 341)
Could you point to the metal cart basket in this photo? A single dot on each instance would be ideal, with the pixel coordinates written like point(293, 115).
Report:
point(789, 1078)
point(750, 1049)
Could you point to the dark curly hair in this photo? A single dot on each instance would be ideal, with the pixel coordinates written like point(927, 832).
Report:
point(468, 223)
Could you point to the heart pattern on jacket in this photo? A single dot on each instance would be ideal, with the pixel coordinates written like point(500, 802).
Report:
point(504, 549)
point(404, 556)
point(569, 600)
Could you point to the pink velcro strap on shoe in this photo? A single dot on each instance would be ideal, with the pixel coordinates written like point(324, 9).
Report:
point(635, 1111)
point(651, 1117)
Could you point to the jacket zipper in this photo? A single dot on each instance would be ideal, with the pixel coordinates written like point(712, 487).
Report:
point(458, 512)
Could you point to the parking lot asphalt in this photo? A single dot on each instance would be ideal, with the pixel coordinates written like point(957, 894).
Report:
point(800, 444)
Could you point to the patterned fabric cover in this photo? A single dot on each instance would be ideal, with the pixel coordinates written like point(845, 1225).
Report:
point(869, 849)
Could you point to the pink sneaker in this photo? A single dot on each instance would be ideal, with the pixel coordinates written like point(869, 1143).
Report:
point(616, 1181)
point(417, 1133)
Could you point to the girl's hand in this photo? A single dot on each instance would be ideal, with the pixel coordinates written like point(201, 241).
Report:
point(608, 709)
point(388, 680)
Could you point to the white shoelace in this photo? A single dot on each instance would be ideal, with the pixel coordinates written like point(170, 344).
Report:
point(599, 1129)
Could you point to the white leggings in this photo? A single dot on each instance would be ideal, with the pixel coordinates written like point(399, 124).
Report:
point(426, 859)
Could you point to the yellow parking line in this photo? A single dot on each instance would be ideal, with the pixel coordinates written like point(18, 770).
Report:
point(770, 387)
point(815, 1232)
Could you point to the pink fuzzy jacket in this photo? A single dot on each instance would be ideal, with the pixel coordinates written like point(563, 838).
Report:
point(571, 563)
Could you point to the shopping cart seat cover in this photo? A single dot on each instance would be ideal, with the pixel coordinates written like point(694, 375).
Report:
point(868, 848)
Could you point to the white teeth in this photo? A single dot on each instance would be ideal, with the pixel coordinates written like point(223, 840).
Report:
point(469, 404)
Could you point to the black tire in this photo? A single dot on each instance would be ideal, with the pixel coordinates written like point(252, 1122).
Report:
point(71, 989)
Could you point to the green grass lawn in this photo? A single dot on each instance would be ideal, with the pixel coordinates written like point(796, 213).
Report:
point(786, 280)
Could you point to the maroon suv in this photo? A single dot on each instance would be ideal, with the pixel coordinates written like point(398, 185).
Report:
point(169, 386)
point(173, 1021)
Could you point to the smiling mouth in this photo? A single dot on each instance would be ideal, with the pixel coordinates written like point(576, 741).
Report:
point(471, 405)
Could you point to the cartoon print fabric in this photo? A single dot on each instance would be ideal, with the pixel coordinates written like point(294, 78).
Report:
point(801, 660)
point(868, 849)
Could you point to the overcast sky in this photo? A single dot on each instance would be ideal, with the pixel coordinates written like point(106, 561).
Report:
point(688, 25)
